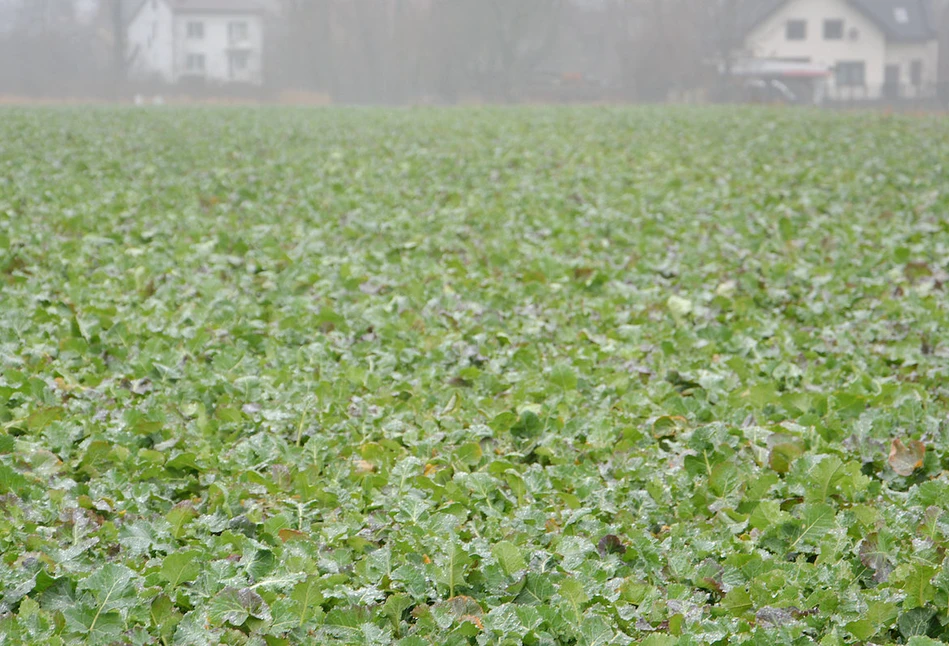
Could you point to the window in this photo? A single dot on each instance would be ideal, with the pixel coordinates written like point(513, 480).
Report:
point(901, 15)
point(891, 81)
point(851, 74)
point(916, 73)
point(891, 75)
point(195, 63)
point(239, 61)
point(196, 30)
point(797, 30)
point(834, 29)
point(237, 31)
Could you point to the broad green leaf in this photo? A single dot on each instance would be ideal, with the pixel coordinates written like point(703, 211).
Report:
point(509, 556)
point(469, 454)
point(413, 580)
point(112, 586)
point(823, 479)
point(596, 631)
point(923, 641)
point(164, 616)
point(235, 606)
point(96, 626)
point(724, 479)
point(563, 377)
point(193, 630)
point(815, 521)
point(503, 421)
point(452, 566)
point(528, 425)
point(879, 615)
point(308, 598)
point(782, 455)
point(181, 567)
point(395, 606)
point(738, 601)
point(786, 227)
point(538, 589)
point(918, 587)
point(573, 592)
point(916, 622)
point(12, 482)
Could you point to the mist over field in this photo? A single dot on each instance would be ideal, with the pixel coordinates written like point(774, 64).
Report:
point(415, 52)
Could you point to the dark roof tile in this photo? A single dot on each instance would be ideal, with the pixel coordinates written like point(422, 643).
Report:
point(888, 16)
point(216, 6)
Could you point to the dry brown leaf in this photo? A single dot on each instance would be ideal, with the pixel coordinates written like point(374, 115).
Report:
point(906, 459)
point(363, 467)
point(287, 535)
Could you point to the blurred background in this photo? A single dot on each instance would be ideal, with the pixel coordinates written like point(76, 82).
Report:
point(411, 52)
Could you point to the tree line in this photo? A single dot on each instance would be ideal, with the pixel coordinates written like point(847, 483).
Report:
point(405, 51)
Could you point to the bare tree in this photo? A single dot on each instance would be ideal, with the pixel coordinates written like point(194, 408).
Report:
point(305, 61)
point(119, 66)
point(49, 53)
point(676, 45)
point(492, 47)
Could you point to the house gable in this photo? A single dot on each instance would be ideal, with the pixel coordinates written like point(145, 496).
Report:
point(872, 53)
point(226, 47)
point(899, 20)
point(769, 38)
point(130, 16)
point(149, 41)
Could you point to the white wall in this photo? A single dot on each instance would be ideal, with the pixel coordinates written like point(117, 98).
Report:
point(215, 46)
point(903, 54)
point(151, 40)
point(158, 38)
point(769, 39)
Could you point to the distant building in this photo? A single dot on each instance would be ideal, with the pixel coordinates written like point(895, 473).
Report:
point(213, 41)
point(873, 49)
point(942, 25)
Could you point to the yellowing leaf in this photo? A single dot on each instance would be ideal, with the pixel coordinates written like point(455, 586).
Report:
point(679, 307)
point(903, 459)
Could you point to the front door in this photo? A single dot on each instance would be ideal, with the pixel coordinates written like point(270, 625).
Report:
point(891, 82)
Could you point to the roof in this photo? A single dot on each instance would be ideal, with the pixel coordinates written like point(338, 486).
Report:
point(755, 12)
point(215, 6)
point(918, 26)
point(132, 8)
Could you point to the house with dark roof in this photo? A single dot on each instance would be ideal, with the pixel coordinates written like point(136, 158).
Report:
point(872, 48)
point(209, 41)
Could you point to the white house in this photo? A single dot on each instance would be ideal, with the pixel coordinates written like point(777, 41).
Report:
point(219, 41)
point(873, 48)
